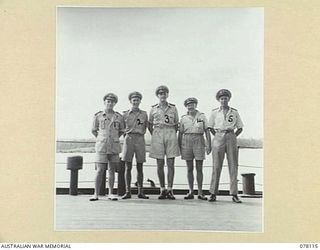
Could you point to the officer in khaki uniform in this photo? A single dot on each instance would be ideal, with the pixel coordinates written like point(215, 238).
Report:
point(163, 126)
point(136, 123)
point(192, 143)
point(107, 127)
point(222, 123)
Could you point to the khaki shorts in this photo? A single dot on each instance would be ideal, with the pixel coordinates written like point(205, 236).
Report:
point(105, 158)
point(164, 142)
point(134, 144)
point(193, 147)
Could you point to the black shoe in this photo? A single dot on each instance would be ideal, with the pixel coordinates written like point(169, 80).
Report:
point(142, 196)
point(94, 199)
point(189, 197)
point(126, 196)
point(170, 195)
point(236, 199)
point(212, 198)
point(163, 195)
point(202, 197)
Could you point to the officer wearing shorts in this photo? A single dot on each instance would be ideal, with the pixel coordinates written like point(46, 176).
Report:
point(193, 126)
point(163, 125)
point(222, 123)
point(107, 127)
point(136, 123)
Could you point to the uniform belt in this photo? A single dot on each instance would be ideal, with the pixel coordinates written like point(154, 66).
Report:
point(193, 133)
point(223, 131)
point(164, 126)
point(133, 133)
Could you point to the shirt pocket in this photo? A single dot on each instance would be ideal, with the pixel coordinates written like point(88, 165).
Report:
point(102, 124)
point(170, 118)
point(116, 125)
point(231, 119)
point(157, 118)
point(140, 121)
point(199, 125)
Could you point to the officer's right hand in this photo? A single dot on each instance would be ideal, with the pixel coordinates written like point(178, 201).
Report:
point(208, 149)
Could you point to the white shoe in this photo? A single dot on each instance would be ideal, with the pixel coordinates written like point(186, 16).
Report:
point(94, 198)
point(112, 197)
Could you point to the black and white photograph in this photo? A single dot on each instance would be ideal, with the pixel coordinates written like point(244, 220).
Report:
point(159, 119)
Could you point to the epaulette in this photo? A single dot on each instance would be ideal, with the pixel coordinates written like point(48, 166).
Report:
point(184, 115)
point(234, 109)
point(98, 113)
point(215, 109)
point(126, 111)
point(117, 113)
point(172, 104)
point(154, 105)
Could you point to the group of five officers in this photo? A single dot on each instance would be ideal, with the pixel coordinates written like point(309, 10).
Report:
point(192, 142)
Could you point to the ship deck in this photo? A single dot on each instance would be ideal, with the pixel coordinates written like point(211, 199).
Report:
point(78, 213)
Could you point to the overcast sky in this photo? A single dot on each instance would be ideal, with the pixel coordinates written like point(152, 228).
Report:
point(194, 51)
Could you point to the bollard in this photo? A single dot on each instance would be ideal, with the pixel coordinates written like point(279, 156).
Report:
point(248, 183)
point(121, 180)
point(74, 163)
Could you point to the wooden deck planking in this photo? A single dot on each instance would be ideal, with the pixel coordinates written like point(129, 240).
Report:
point(77, 213)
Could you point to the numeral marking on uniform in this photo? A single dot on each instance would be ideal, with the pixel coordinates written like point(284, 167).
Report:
point(167, 119)
point(230, 118)
point(139, 122)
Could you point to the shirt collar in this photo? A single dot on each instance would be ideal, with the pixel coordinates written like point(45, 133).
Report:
point(220, 109)
point(104, 113)
point(197, 112)
point(169, 105)
point(131, 110)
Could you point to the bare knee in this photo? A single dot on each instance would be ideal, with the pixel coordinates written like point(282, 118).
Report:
point(111, 168)
point(170, 162)
point(128, 166)
point(101, 167)
point(160, 163)
point(199, 165)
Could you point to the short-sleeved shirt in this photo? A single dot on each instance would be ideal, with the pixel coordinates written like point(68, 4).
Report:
point(164, 117)
point(193, 125)
point(219, 121)
point(108, 128)
point(135, 121)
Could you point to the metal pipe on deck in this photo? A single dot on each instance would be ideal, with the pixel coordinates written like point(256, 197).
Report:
point(248, 183)
point(121, 180)
point(74, 163)
point(102, 190)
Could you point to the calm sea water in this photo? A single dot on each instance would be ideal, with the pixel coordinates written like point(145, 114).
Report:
point(250, 160)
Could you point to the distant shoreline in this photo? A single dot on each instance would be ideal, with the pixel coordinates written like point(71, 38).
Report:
point(87, 145)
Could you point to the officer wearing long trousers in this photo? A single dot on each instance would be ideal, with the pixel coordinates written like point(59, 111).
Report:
point(107, 127)
point(225, 124)
point(193, 126)
point(163, 126)
point(136, 123)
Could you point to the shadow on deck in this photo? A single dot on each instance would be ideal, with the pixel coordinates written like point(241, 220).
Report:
point(78, 213)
